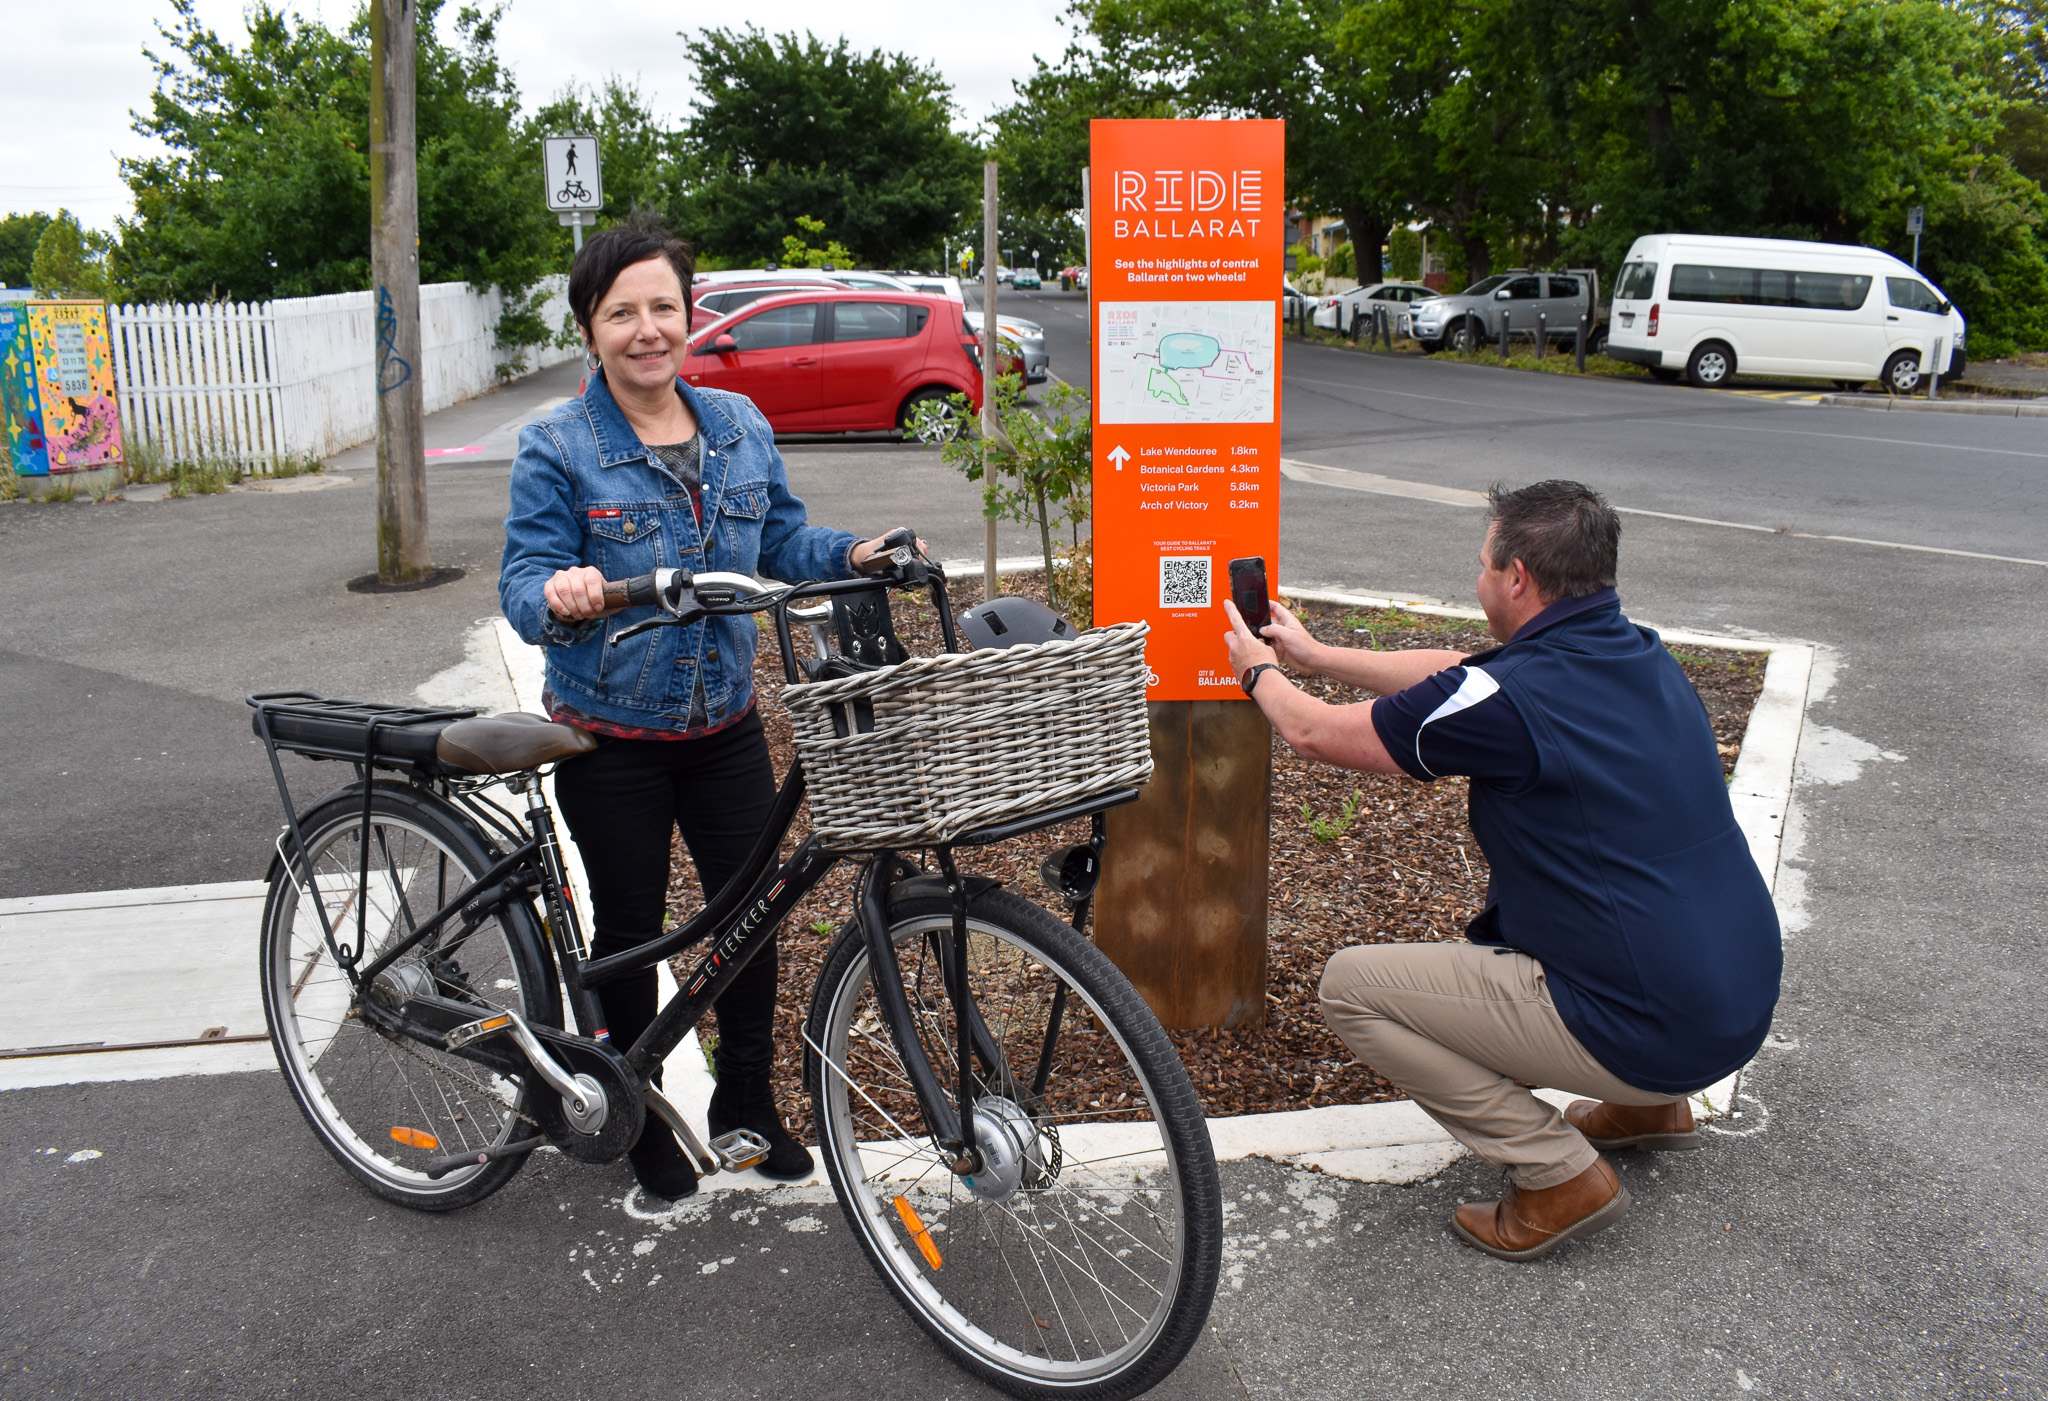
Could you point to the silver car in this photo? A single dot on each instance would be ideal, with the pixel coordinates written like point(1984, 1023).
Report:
point(1471, 319)
point(1030, 338)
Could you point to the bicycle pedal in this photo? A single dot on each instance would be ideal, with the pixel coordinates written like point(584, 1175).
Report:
point(739, 1150)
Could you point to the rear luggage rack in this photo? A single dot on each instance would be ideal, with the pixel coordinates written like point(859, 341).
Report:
point(322, 727)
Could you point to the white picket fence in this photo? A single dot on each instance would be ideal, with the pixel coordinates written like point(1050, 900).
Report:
point(258, 382)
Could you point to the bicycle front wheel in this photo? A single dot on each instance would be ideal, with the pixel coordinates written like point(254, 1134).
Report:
point(386, 1107)
point(1082, 1261)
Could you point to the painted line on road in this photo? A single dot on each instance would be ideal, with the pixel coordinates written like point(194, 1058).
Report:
point(1346, 479)
point(1848, 438)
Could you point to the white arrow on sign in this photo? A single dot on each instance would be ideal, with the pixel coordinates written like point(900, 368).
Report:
point(1119, 456)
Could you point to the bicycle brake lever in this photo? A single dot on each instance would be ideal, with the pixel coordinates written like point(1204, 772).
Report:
point(682, 619)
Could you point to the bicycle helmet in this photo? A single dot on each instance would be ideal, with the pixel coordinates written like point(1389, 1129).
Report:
point(1014, 622)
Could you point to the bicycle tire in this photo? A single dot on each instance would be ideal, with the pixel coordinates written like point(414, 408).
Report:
point(357, 1088)
point(1008, 1301)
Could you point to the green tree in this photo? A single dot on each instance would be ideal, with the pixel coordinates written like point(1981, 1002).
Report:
point(19, 234)
point(264, 191)
point(787, 126)
point(798, 253)
point(70, 261)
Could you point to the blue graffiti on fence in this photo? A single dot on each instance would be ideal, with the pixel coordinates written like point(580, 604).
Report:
point(392, 369)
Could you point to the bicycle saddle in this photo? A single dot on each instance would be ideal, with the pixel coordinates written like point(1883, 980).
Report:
point(508, 743)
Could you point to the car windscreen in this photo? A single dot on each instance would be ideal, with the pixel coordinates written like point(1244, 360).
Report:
point(1638, 282)
point(1814, 291)
point(776, 327)
point(1483, 286)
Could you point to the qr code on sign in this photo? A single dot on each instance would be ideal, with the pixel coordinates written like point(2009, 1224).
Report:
point(1184, 581)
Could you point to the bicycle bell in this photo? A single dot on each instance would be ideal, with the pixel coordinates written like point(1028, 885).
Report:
point(1006, 621)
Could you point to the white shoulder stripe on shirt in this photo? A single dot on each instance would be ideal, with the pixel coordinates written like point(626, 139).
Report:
point(1476, 687)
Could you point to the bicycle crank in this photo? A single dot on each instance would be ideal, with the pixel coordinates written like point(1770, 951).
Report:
point(595, 1112)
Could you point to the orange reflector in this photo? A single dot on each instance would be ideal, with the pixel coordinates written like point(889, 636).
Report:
point(415, 1138)
point(914, 1224)
point(503, 1019)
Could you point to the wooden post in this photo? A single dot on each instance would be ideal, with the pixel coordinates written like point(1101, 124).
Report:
point(402, 553)
point(1182, 905)
point(990, 367)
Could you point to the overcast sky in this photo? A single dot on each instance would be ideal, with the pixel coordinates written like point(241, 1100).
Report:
point(64, 112)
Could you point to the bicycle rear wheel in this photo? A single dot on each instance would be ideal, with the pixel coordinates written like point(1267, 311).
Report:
point(1086, 1265)
point(385, 1107)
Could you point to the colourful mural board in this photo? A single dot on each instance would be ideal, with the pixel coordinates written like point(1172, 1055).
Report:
point(74, 370)
point(21, 414)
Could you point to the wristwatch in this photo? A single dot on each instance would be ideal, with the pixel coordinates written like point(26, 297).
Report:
point(1250, 679)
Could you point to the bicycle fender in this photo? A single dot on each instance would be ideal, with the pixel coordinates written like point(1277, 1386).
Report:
point(933, 887)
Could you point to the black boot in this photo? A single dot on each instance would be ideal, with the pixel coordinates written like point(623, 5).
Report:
point(659, 1163)
point(748, 1102)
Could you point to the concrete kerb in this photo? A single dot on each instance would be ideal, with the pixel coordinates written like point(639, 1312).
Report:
point(1391, 1142)
point(1995, 408)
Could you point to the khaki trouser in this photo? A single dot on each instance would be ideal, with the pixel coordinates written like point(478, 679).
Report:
point(1456, 1025)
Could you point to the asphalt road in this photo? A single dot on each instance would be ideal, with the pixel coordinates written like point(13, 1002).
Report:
point(1870, 1227)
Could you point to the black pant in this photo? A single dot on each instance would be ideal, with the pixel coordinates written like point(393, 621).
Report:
point(623, 801)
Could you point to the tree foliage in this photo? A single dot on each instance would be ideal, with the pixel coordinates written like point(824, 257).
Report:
point(70, 261)
point(265, 188)
point(1532, 131)
point(787, 126)
point(19, 234)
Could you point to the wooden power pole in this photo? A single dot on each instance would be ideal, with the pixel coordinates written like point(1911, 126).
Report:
point(402, 553)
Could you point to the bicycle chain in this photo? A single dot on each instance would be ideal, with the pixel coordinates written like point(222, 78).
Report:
point(450, 1073)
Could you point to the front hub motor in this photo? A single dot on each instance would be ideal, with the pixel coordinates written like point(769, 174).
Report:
point(1011, 1154)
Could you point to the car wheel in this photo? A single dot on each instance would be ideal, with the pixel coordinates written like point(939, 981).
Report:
point(1712, 366)
point(1902, 372)
point(1598, 344)
point(1470, 337)
point(931, 417)
point(1664, 374)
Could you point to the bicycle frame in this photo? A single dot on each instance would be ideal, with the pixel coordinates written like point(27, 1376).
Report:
point(739, 920)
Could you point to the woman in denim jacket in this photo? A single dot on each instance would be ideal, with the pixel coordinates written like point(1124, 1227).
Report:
point(644, 471)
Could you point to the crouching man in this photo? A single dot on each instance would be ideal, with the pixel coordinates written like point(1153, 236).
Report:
point(1628, 950)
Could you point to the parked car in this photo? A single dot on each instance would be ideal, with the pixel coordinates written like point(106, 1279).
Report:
point(1005, 275)
point(932, 284)
point(1337, 313)
point(1025, 279)
point(724, 298)
point(1293, 301)
point(842, 277)
point(1710, 307)
point(843, 360)
point(1471, 319)
point(1030, 340)
point(1077, 275)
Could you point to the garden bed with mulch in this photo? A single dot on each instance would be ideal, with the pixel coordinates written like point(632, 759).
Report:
point(1357, 858)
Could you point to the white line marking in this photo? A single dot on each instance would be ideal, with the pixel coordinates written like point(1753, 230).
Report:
point(1344, 479)
point(1846, 437)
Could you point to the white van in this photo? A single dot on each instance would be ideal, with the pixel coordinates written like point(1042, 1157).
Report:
point(1707, 307)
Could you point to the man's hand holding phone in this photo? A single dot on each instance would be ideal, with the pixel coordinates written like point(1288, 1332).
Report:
point(1284, 640)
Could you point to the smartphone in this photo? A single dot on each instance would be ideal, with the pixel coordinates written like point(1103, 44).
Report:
point(1248, 592)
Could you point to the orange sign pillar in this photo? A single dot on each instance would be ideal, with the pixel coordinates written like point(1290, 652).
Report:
point(1185, 282)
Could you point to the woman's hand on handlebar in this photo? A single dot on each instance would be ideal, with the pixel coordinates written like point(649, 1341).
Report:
point(577, 595)
point(872, 556)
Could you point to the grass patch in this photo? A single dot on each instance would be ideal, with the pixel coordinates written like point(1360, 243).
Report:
point(1553, 364)
point(203, 476)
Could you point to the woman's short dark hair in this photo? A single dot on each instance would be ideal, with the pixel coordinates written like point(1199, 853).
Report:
point(1565, 535)
point(610, 253)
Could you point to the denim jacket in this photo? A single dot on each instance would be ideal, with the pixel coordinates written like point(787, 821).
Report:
point(585, 491)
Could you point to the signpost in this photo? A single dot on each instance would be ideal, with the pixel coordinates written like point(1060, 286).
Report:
point(1916, 220)
point(1184, 248)
point(575, 180)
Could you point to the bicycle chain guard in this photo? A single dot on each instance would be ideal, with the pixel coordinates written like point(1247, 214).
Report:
point(625, 1108)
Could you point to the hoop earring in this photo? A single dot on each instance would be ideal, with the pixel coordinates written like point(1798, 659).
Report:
point(591, 360)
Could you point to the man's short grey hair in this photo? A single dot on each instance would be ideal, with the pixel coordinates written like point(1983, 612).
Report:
point(1565, 534)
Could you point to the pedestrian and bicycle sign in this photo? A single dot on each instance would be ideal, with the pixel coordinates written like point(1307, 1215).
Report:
point(574, 180)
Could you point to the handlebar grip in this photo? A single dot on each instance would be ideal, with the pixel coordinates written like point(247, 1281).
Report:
point(634, 593)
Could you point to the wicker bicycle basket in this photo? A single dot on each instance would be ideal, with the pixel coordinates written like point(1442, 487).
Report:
point(968, 739)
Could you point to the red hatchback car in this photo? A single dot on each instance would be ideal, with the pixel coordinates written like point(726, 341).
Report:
point(840, 361)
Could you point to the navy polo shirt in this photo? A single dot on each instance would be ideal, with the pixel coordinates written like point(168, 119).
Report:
point(1598, 798)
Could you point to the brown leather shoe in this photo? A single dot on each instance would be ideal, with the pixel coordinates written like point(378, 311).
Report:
point(1660, 1128)
point(1523, 1225)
